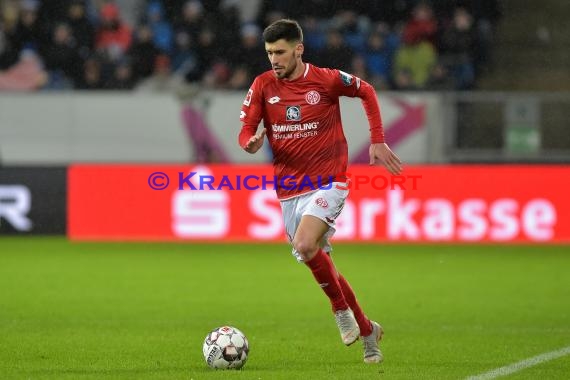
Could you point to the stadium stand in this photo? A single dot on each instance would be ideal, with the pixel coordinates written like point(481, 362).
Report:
point(94, 44)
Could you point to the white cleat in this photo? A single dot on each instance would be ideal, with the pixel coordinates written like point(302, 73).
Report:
point(372, 353)
point(349, 330)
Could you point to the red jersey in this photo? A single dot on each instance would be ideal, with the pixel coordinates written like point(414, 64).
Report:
point(303, 124)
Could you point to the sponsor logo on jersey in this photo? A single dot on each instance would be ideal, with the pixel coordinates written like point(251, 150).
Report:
point(312, 97)
point(321, 202)
point(346, 78)
point(294, 127)
point(247, 99)
point(293, 113)
point(273, 100)
point(242, 114)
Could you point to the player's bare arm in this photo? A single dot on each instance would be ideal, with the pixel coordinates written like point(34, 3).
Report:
point(255, 142)
point(382, 154)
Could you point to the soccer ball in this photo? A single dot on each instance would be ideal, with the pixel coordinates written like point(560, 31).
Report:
point(225, 348)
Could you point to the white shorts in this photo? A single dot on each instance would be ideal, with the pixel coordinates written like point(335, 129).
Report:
point(325, 204)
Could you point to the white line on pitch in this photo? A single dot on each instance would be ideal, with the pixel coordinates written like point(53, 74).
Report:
point(519, 366)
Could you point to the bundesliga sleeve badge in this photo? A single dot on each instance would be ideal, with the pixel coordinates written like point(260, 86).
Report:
point(346, 78)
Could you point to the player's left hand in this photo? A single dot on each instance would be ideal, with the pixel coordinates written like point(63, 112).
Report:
point(382, 154)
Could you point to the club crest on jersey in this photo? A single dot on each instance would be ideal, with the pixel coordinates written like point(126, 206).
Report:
point(322, 202)
point(293, 113)
point(312, 97)
point(346, 78)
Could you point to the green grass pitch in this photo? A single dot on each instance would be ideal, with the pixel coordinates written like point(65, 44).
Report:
point(141, 311)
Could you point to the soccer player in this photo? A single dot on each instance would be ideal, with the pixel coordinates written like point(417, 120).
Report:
point(299, 105)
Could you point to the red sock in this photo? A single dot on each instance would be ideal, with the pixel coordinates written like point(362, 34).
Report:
point(350, 297)
point(325, 274)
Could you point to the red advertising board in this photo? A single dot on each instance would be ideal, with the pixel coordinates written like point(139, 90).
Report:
point(480, 203)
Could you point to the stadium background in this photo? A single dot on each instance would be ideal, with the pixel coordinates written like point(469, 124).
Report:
point(95, 96)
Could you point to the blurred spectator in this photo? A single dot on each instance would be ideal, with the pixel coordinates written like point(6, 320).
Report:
point(313, 36)
point(336, 52)
point(353, 29)
point(487, 14)
point(458, 44)
point(8, 54)
point(113, 35)
point(404, 80)
point(378, 56)
point(359, 69)
point(415, 59)
point(240, 78)
point(247, 9)
point(250, 53)
point(143, 52)
point(217, 76)
point(162, 79)
point(29, 31)
point(81, 28)
point(208, 57)
point(322, 9)
point(184, 59)
point(226, 28)
point(271, 10)
point(161, 28)
point(91, 77)
point(26, 75)
point(440, 79)
point(422, 26)
point(192, 20)
point(130, 10)
point(56, 11)
point(62, 59)
point(122, 78)
point(390, 12)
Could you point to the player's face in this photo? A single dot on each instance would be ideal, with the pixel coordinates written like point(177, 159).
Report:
point(285, 58)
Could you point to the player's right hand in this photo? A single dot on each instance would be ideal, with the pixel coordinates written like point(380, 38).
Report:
point(255, 142)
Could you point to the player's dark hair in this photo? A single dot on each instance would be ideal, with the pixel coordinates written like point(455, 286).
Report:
point(286, 29)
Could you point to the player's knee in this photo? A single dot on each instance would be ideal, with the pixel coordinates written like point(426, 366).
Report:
point(307, 249)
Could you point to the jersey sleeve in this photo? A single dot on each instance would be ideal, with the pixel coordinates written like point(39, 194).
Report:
point(344, 84)
point(251, 112)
